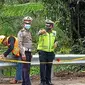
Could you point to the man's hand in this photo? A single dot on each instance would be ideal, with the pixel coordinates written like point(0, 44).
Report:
point(24, 58)
point(55, 44)
point(43, 31)
point(2, 56)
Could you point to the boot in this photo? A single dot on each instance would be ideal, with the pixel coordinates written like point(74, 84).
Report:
point(49, 83)
point(42, 83)
point(14, 81)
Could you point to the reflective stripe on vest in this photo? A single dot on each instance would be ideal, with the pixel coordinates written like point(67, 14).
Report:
point(16, 50)
point(46, 42)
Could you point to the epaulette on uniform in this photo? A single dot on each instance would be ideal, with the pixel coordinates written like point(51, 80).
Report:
point(22, 30)
point(54, 32)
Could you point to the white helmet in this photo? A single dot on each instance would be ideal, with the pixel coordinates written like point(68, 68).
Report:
point(27, 19)
point(49, 23)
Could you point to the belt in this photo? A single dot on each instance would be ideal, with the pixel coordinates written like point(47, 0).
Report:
point(28, 50)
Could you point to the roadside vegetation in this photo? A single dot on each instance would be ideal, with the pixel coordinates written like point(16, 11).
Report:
point(12, 12)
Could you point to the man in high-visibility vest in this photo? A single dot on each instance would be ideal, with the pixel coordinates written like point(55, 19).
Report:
point(46, 46)
point(12, 44)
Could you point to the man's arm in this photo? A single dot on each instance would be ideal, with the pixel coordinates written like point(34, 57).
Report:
point(20, 41)
point(11, 42)
point(56, 42)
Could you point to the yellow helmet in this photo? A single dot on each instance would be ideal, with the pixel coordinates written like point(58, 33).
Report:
point(2, 37)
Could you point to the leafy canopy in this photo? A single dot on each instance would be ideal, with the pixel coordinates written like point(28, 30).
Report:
point(20, 10)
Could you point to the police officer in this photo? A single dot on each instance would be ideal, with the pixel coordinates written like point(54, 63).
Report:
point(45, 48)
point(25, 45)
point(12, 43)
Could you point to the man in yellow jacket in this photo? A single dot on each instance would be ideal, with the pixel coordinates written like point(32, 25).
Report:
point(12, 44)
point(46, 46)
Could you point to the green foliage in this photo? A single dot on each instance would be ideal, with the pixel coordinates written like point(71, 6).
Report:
point(76, 49)
point(20, 10)
point(11, 71)
point(64, 42)
point(57, 10)
point(9, 26)
point(35, 70)
point(71, 68)
point(2, 48)
point(12, 15)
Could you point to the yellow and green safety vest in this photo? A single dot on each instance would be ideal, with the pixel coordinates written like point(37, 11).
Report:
point(46, 41)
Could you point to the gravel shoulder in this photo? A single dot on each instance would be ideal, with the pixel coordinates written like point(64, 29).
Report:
point(58, 79)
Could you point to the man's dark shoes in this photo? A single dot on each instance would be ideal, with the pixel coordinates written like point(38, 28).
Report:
point(42, 83)
point(49, 83)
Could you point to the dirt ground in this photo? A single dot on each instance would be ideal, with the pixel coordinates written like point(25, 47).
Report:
point(62, 78)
